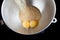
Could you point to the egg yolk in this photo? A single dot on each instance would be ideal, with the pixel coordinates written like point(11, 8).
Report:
point(26, 24)
point(33, 23)
point(30, 24)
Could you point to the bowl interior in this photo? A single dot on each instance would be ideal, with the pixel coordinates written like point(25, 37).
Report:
point(10, 15)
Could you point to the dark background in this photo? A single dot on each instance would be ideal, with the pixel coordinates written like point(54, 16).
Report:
point(52, 32)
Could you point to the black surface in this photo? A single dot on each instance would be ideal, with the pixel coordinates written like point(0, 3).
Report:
point(50, 33)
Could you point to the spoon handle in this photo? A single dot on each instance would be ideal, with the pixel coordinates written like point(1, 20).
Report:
point(21, 3)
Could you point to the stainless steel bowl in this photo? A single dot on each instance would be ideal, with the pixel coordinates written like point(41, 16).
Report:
point(10, 15)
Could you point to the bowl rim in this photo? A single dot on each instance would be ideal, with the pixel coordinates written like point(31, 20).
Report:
point(35, 32)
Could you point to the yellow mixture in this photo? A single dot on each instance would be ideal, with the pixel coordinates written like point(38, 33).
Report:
point(29, 16)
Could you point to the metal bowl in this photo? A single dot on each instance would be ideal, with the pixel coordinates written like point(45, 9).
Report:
point(10, 15)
